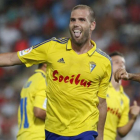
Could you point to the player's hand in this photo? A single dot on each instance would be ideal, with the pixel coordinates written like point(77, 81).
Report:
point(134, 110)
point(121, 74)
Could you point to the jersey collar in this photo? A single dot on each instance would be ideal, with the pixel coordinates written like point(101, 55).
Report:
point(121, 88)
point(41, 71)
point(90, 52)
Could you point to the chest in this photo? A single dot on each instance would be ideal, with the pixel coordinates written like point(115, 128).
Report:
point(68, 64)
point(115, 102)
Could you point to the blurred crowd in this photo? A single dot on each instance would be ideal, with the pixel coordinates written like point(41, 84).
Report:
point(24, 23)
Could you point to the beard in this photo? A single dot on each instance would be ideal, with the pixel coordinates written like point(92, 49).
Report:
point(83, 38)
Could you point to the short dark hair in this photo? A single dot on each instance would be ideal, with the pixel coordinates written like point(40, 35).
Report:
point(40, 65)
point(92, 13)
point(116, 53)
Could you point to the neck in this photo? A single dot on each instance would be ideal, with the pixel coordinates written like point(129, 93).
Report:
point(115, 84)
point(81, 48)
point(43, 68)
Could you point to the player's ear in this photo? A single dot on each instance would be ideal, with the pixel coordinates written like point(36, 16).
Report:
point(93, 25)
point(45, 65)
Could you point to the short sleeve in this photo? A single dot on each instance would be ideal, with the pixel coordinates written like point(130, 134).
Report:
point(40, 100)
point(125, 114)
point(105, 81)
point(35, 54)
point(40, 94)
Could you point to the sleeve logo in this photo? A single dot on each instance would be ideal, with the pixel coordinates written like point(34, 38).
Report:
point(45, 103)
point(26, 51)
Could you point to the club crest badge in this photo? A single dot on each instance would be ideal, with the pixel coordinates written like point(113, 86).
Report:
point(92, 66)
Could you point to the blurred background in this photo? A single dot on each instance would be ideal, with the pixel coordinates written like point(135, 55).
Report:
point(24, 23)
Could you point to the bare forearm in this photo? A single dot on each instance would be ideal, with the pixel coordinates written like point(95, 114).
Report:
point(102, 117)
point(123, 131)
point(134, 112)
point(9, 59)
point(42, 116)
point(134, 77)
point(39, 113)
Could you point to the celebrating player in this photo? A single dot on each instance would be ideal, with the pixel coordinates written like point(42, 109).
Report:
point(118, 105)
point(78, 75)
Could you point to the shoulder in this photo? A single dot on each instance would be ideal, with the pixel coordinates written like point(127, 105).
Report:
point(126, 99)
point(126, 96)
point(62, 40)
point(40, 74)
point(103, 55)
point(39, 79)
point(53, 40)
point(103, 59)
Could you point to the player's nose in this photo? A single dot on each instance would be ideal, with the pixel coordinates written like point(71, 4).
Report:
point(122, 65)
point(76, 23)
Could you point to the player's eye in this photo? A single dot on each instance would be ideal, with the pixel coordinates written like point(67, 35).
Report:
point(72, 19)
point(82, 19)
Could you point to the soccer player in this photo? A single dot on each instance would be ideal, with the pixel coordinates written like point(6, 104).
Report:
point(123, 74)
point(32, 108)
point(118, 105)
point(78, 75)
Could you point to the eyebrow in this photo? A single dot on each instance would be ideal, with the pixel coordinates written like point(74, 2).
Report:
point(78, 18)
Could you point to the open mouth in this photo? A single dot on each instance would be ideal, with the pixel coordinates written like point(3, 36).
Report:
point(77, 33)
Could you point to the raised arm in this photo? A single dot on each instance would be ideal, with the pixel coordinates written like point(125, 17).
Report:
point(134, 77)
point(9, 59)
point(123, 74)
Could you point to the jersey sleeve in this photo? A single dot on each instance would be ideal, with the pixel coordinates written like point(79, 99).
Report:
point(105, 81)
point(40, 95)
point(35, 54)
point(40, 100)
point(125, 114)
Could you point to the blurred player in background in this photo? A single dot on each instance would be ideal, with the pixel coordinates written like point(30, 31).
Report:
point(78, 75)
point(118, 105)
point(32, 108)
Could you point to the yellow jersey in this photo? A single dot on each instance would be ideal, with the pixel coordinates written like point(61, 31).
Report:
point(117, 112)
point(74, 83)
point(32, 95)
